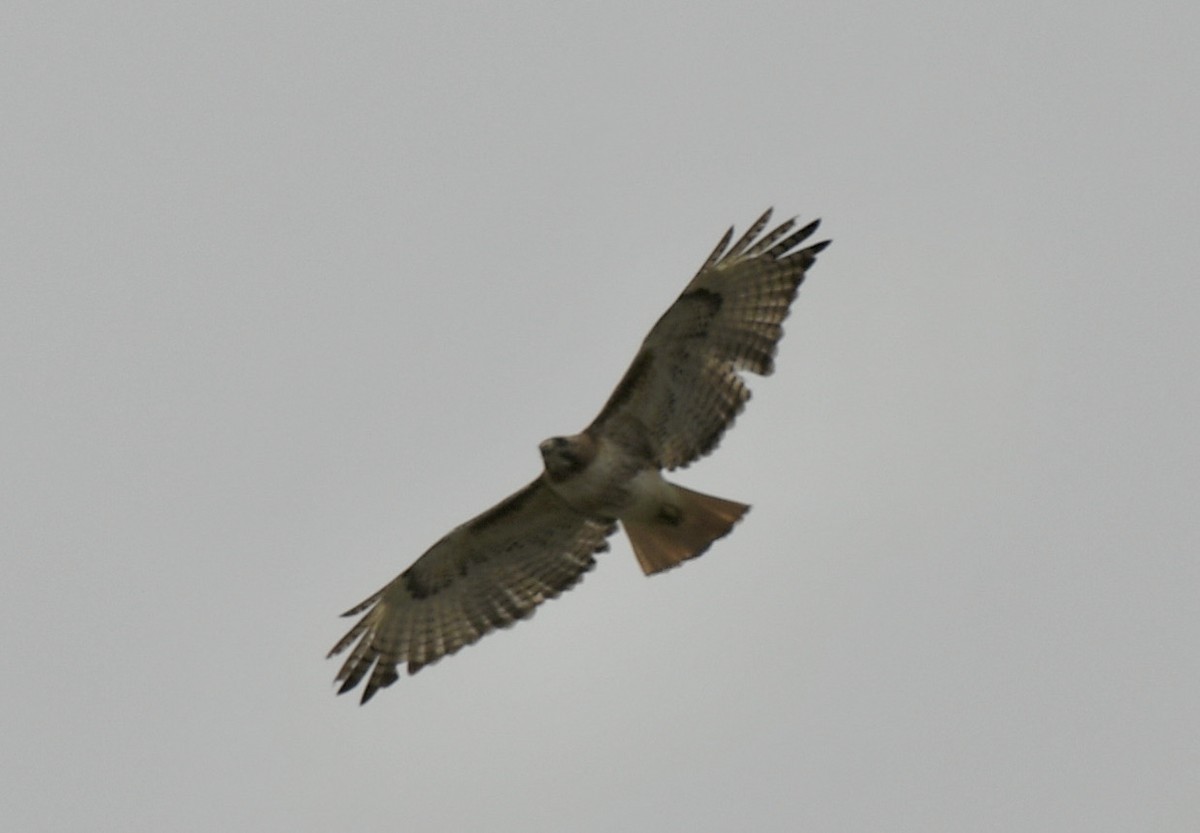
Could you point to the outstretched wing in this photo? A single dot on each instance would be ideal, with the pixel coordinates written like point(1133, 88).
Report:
point(486, 574)
point(684, 388)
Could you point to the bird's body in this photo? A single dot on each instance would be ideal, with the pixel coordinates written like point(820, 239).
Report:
point(680, 394)
point(608, 477)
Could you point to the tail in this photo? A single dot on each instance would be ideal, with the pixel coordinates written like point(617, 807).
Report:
point(681, 529)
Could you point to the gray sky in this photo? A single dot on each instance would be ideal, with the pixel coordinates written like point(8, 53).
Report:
point(288, 291)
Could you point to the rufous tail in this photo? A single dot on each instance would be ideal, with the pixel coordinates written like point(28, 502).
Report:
point(682, 529)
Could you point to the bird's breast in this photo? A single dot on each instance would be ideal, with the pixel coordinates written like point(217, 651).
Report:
point(602, 488)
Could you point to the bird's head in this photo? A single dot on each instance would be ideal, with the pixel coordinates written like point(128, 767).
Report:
point(567, 456)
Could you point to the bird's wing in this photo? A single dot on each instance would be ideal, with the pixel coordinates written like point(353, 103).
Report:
point(486, 574)
point(684, 387)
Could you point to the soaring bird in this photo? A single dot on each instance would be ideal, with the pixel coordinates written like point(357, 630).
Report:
point(682, 391)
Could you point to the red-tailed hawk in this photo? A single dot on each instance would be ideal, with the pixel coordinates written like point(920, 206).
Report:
point(682, 391)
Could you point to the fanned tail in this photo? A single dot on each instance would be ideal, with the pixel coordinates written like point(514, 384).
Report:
point(681, 530)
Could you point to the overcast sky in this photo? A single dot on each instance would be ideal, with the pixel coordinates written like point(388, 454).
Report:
point(291, 289)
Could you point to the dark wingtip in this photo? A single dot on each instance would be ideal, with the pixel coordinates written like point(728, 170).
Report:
point(810, 228)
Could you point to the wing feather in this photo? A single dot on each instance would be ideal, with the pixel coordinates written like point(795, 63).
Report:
point(739, 248)
point(716, 253)
point(684, 387)
point(770, 239)
point(488, 573)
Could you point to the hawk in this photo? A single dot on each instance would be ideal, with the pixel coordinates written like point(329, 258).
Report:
point(683, 390)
